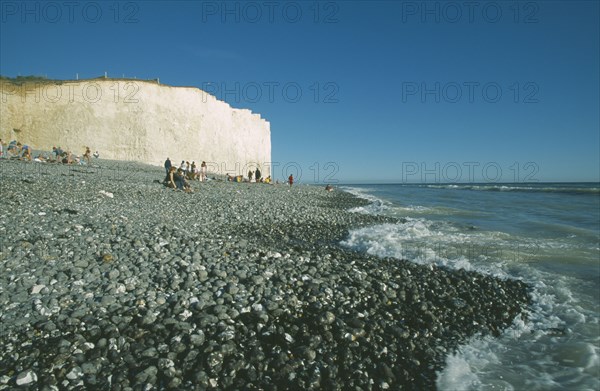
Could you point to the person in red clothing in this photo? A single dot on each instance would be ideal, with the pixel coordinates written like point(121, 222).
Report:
point(291, 180)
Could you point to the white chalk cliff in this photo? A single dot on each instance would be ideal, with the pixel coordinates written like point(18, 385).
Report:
point(135, 120)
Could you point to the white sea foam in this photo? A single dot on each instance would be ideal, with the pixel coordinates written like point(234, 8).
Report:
point(375, 206)
point(423, 241)
point(360, 192)
point(551, 349)
point(533, 354)
point(379, 206)
point(539, 354)
point(414, 209)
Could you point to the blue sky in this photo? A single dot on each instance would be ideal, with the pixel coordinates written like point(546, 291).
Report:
point(355, 91)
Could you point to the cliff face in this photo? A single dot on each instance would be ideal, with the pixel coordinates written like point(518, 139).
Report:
point(135, 120)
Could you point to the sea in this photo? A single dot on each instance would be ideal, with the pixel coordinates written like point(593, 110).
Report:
point(546, 234)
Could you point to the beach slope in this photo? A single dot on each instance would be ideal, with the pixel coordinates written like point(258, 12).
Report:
point(112, 281)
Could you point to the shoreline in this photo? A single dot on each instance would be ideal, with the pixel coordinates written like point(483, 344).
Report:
point(238, 285)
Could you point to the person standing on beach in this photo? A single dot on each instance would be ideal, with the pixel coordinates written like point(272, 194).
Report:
point(87, 156)
point(168, 165)
point(193, 171)
point(257, 175)
point(203, 171)
point(249, 175)
point(291, 180)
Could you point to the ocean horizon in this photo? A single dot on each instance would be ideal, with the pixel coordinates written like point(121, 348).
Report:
point(360, 182)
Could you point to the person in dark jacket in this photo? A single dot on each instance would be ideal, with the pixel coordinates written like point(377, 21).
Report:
point(167, 165)
point(257, 175)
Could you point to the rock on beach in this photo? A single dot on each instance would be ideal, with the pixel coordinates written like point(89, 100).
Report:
point(236, 286)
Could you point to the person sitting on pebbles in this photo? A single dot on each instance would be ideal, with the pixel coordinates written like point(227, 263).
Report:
point(67, 158)
point(170, 178)
point(176, 180)
point(14, 149)
point(57, 153)
point(329, 187)
point(26, 155)
point(40, 159)
point(179, 179)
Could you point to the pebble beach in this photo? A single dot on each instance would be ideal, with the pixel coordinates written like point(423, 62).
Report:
point(111, 281)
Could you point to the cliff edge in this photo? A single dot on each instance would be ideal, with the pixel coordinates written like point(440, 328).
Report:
point(135, 120)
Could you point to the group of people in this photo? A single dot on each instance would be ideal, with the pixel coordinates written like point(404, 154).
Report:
point(251, 178)
point(189, 171)
point(255, 176)
point(16, 150)
point(66, 157)
point(179, 178)
point(176, 177)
